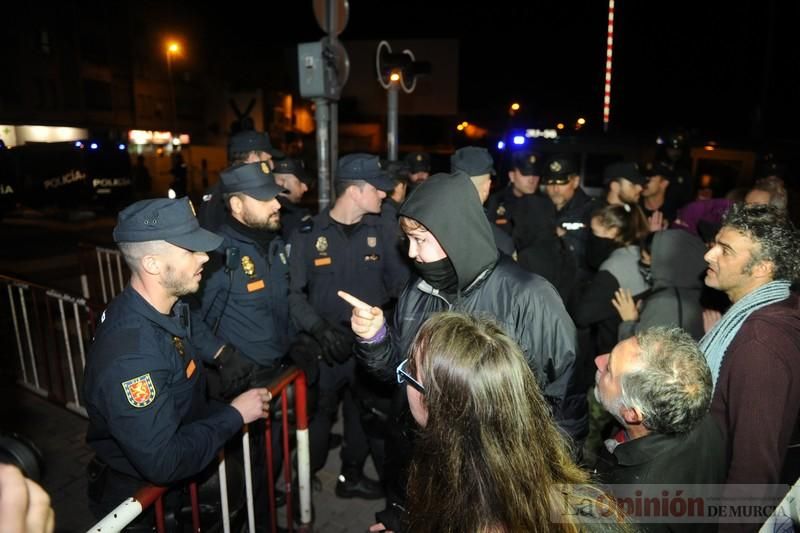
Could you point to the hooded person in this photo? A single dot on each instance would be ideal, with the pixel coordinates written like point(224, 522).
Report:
point(677, 268)
point(459, 268)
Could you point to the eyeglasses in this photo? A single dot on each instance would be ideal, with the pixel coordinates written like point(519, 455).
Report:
point(404, 377)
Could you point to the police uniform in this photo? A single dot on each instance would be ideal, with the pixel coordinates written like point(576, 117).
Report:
point(417, 162)
point(150, 421)
point(293, 216)
point(244, 302)
point(363, 260)
point(325, 260)
point(575, 216)
point(501, 205)
point(247, 302)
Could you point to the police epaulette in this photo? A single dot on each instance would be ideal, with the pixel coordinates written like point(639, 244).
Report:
point(307, 224)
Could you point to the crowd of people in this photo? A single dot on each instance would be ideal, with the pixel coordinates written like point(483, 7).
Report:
point(510, 361)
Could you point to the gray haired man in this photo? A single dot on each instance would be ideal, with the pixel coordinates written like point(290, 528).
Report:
point(658, 386)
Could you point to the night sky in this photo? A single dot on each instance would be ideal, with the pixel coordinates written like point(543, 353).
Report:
point(714, 66)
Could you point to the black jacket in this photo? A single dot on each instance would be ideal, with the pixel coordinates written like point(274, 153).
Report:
point(670, 462)
point(145, 389)
point(525, 304)
point(324, 260)
point(250, 302)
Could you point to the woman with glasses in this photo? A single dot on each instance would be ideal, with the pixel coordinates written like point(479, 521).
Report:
point(489, 457)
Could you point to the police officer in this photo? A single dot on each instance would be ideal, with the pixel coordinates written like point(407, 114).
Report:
point(419, 167)
point(244, 147)
point(399, 174)
point(292, 176)
point(523, 180)
point(562, 184)
point(350, 246)
point(244, 299)
point(624, 183)
point(478, 164)
point(673, 150)
point(150, 421)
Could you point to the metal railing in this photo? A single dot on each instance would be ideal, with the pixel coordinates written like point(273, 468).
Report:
point(49, 330)
point(103, 272)
point(148, 496)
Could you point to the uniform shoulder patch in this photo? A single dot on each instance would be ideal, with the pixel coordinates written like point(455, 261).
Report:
point(140, 391)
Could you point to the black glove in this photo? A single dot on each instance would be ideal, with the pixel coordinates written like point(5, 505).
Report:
point(304, 352)
point(337, 346)
point(235, 371)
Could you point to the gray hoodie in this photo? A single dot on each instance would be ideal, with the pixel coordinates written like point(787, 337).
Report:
point(677, 268)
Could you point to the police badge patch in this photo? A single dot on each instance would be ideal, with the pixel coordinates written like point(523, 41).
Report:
point(248, 266)
point(140, 391)
point(372, 242)
point(321, 244)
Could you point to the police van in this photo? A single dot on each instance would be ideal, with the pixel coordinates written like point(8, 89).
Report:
point(69, 175)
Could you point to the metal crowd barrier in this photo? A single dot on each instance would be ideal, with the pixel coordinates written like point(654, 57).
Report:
point(103, 272)
point(149, 496)
point(50, 332)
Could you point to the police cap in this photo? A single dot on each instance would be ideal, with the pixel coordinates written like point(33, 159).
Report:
point(418, 162)
point(527, 163)
point(624, 170)
point(472, 160)
point(363, 167)
point(163, 219)
point(294, 167)
point(656, 168)
point(253, 179)
point(397, 170)
point(252, 141)
point(559, 169)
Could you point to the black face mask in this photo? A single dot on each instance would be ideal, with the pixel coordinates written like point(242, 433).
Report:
point(440, 275)
point(598, 249)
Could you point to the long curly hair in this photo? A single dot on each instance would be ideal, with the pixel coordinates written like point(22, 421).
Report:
point(490, 457)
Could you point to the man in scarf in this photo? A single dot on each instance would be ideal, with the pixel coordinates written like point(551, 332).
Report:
point(754, 350)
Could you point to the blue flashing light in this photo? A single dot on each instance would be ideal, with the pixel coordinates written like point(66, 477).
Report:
point(78, 144)
point(519, 139)
point(501, 145)
point(121, 146)
point(93, 146)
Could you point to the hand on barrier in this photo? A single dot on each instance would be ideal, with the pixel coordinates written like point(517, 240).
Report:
point(24, 505)
point(253, 404)
point(234, 371)
point(366, 320)
point(335, 344)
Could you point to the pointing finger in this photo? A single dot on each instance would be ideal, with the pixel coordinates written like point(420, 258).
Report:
point(352, 300)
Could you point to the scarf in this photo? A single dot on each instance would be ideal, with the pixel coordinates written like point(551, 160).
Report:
point(715, 343)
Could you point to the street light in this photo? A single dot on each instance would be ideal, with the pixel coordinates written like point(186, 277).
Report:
point(172, 48)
